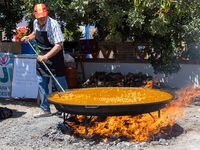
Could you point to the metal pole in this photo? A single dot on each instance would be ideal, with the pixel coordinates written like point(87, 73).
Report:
point(47, 68)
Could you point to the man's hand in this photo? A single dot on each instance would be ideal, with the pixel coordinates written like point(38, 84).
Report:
point(28, 37)
point(25, 39)
point(41, 58)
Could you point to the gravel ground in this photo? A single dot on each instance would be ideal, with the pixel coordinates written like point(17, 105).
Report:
point(22, 131)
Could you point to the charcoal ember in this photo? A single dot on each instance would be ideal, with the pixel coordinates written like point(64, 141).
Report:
point(136, 80)
point(120, 84)
point(196, 101)
point(100, 83)
point(98, 76)
point(65, 129)
point(97, 79)
point(103, 79)
point(114, 79)
point(113, 84)
point(167, 133)
point(86, 83)
point(148, 78)
point(114, 76)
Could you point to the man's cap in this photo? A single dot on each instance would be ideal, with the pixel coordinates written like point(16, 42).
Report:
point(40, 10)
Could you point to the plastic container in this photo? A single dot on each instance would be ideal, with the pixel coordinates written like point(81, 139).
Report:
point(26, 48)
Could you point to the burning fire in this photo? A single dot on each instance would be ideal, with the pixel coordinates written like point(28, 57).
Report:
point(138, 128)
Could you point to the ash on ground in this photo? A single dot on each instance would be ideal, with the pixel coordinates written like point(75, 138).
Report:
point(23, 131)
point(64, 133)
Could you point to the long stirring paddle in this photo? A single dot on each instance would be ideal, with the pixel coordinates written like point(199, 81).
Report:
point(47, 67)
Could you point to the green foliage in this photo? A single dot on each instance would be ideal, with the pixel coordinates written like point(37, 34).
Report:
point(10, 14)
point(162, 24)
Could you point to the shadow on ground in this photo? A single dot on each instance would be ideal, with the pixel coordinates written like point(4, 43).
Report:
point(169, 132)
point(166, 133)
point(196, 101)
point(22, 102)
point(17, 114)
point(14, 114)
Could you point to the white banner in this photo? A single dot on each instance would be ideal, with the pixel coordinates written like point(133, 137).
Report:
point(24, 84)
point(6, 65)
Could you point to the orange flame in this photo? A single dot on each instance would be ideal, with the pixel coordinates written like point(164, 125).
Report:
point(151, 83)
point(142, 127)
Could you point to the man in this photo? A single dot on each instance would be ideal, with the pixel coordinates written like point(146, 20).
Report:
point(49, 38)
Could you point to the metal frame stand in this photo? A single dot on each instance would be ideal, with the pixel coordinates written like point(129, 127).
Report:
point(64, 117)
point(86, 122)
point(87, 119)
point(152, 115)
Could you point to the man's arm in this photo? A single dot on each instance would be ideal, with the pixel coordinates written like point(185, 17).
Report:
point(57, 47)
point(29, 37)
point(58, 40)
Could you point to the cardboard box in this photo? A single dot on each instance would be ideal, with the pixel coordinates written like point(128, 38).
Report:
point(11, 47)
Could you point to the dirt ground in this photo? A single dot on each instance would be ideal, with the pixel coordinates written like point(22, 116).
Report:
point(22, 131)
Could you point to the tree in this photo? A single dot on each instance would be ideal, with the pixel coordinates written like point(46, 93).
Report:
point(10, 14)
point(162, 24)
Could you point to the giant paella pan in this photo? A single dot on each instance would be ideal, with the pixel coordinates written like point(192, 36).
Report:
point(110, 101)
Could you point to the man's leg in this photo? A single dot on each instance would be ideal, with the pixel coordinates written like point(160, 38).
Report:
point(62, 82)
point(43, 92)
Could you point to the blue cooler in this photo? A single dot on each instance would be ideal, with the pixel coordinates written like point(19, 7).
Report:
point(26, 48)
